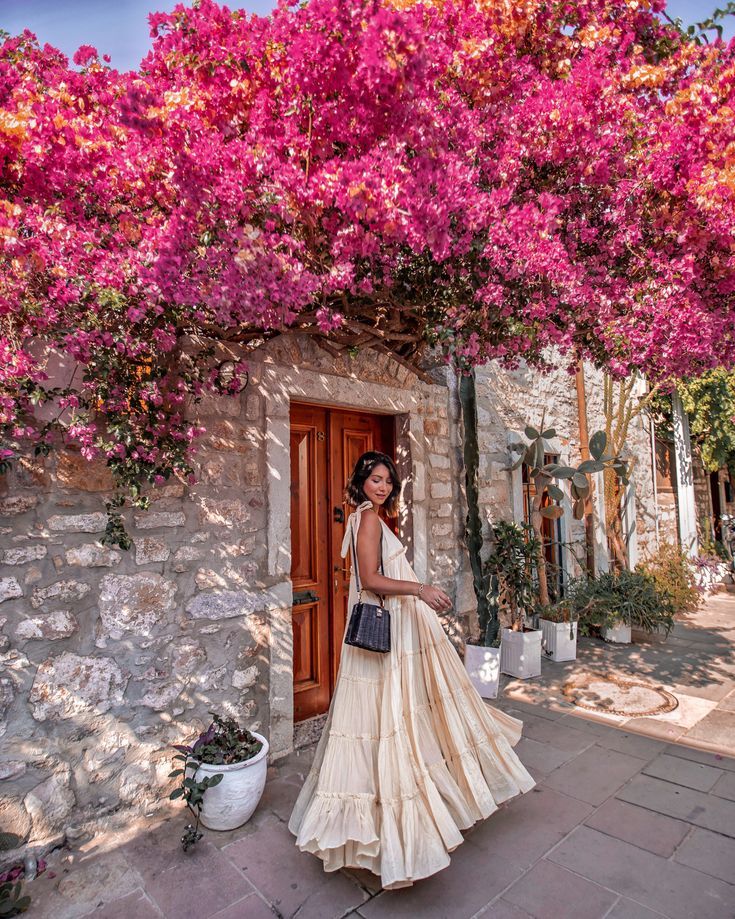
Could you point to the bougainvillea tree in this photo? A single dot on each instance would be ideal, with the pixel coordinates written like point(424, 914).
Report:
point(487, 178)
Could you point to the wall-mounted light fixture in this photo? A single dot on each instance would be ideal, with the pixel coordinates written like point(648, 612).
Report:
point(231, 377)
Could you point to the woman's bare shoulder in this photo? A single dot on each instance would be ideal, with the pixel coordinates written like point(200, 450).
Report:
point(370, 523)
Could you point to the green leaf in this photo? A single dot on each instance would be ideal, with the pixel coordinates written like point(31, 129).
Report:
point(216, 779)
point(531, 433)
point(176, 793)
point(172, 775)
point(578, 492)
point(552, 512)
point(598, 442)
point(579, 479)
point(556, 493)
point(578, 509)
point(591, 465)
point(548, 433)
point(564, 472)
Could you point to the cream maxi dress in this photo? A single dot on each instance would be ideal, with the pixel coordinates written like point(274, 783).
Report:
point(410, 754)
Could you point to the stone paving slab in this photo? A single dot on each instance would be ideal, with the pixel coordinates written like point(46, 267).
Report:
point(643, 828)
point(675, 890)
point(547, 887)
point(623, 823)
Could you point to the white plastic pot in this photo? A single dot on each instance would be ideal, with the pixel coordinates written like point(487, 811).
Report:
point(556, 642)
point(231, 803)
point(619, 634)
point(520, 653)
point(483, 668)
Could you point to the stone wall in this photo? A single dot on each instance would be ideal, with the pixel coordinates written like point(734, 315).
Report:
point(109, 657)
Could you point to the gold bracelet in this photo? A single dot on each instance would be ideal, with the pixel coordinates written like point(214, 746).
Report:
point(421, 587)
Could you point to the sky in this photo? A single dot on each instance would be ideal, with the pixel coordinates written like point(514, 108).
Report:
point(120, 27)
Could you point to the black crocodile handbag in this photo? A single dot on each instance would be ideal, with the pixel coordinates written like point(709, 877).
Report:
point(369, 625)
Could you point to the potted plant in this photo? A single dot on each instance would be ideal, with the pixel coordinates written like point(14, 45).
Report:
point(616, 602)
point(222, 776)
point(559, 632)
point(510, 565)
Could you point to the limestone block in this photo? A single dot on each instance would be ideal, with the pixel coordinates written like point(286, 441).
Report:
point(50, 803)
point(439, 461)
point(33, 574)
point(14, 505)
point(160, 697)
point(14, 818)
point(244, 679)
point(92, 555)
point(226, 604)
point(22, 556)
point(136, 783)
point(63, 591)
point(441, 490)
point(228, 512)
point(70, 685)
point(154, 519)
point(150, 549)
point(78, 523)
point(444, 510)
point(135, 603)
point(11, 769)
point(52, 626)
point(9, 589)
point(441, 529)
point(185, 556)
point(73, 471)
point(7, 694)
point(207, 578)
point(186, 657)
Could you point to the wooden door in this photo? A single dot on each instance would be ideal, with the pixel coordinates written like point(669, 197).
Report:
point(325, 444)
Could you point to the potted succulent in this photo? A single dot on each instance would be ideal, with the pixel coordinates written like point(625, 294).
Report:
point(222, 776)
point(511, 565)
point(559, 632)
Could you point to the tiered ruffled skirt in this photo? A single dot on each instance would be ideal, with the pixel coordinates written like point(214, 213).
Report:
point(410, 755)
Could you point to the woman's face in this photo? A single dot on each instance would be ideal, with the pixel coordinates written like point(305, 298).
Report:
point(378, 485)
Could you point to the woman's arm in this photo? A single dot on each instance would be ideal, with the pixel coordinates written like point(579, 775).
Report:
point(368, 561)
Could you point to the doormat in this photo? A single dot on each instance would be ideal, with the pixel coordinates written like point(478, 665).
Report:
point(614, 695)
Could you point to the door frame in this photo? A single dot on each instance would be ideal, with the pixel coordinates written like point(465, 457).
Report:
point(279, 385)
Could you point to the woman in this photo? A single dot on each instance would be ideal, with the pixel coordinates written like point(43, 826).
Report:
point(410, 754)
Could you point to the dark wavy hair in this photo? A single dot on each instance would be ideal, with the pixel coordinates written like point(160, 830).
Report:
point(354, 493)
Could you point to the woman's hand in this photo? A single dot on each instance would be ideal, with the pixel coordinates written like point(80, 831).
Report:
point(435, 598)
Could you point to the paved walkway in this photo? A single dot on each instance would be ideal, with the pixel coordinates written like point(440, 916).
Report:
point(630, 820)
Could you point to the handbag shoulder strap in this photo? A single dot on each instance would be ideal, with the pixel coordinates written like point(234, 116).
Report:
point(355, 563)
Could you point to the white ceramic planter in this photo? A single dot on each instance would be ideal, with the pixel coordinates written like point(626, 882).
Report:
point(556, 642)
point(520, 653)
point(619, 634)
point(231, 803)
point(483, 669)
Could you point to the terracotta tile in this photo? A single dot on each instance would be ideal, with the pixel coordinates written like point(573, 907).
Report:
point(695, 807)
point(594, 775)
point(646, 829)
point(675, 890)
point(549, 891)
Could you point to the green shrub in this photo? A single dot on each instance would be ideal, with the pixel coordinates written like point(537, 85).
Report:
point(631, 597)
point(673, 575)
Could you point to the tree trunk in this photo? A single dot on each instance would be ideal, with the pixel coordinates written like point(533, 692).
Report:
point(537, 522)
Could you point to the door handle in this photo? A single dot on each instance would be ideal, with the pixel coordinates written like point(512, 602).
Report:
point(339, 515)
point(304, 596)
point(343, 570)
